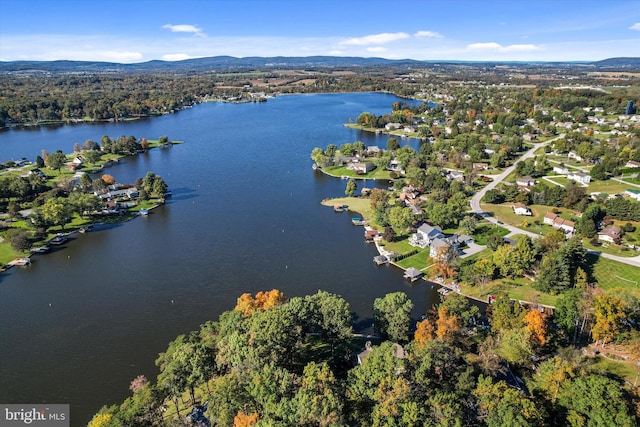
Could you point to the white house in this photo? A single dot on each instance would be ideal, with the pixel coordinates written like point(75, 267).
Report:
point(561, 170)
point(634, 194)
point(425, 235)
point(580, 177)
point(632, 164)
point(521, 209)
point(526, 181)
point(610, 233)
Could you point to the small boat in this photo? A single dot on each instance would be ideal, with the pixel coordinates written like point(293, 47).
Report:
point(20, 262)
point(41, 250)
point(144, 212)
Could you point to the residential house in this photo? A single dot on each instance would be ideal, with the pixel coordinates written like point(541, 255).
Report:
point(363, 167)
point(526, 181)
point(437, 246)
point(611, 234)
point(575, 156)
point(397, 351)
point(559, 223)
point(373, 150)
point(454, 175)
point(392, 126)
point(521, 209)
point(580, 177)
point(529, 137)
point(424, 235)
point(481, 166)
point(634, 194)
point(561, 170)
point(632, 164)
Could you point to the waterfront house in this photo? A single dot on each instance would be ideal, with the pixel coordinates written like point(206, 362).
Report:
point(424, 235)
point(363, 167)
point(437, 247)
point(521, 209)
point(373, 150)
point(392, 126)
point(611, 234)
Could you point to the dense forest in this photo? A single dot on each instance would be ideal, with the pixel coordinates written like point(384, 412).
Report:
point(273, 361)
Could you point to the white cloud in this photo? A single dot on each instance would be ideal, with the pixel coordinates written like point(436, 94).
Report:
point(428, 34)
point(381, 38)
point(520, 48)
point(479, 46)
point(183, 28)
point(499, 48)
point(376, 49)
point(176, 57)
point(635, 26)
point(336, 52)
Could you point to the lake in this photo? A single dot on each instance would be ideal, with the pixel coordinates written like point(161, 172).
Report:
point(81, 322)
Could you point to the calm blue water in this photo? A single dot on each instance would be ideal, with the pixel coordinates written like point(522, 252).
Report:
point(80, 323)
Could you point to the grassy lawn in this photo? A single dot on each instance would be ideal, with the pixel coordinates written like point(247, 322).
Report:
point(360, 205)
point(400, 246)
point(559, 180)
point(485, 230)
point(519, 289)
point(624, 370)
point(420, 260)
point(608, 187)
point(339, 171)
point(612, 274)
point(611, 248)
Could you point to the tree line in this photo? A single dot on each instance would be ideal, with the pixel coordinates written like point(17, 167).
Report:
point(275, 361)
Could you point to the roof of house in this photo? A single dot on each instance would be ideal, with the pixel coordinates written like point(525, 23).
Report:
point(430, 229)
point(412, 272)
point(611, 230)
point(519, 205)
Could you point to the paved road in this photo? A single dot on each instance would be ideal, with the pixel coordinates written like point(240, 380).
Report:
point(475, 204)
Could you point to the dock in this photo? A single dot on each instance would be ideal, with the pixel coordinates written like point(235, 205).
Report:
point(413, 274)
point(358, 221)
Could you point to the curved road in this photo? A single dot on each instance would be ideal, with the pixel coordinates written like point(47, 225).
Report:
point(475, 204)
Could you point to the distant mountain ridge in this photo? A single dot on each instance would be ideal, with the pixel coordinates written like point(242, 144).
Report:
point(230, 62)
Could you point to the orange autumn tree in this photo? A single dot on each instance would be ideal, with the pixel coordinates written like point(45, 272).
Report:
point(425, 332)
point(247, 305)
point(108, 179)
point(536, 323)
point(447, 325)
point(245, 420)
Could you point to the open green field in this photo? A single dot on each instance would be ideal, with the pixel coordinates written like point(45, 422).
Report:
point(360, 205)
point(340, 171)
point(608, 187)
point(519, 289)
point(612, 274)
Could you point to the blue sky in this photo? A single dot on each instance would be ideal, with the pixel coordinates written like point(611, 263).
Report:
point(141, 30)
